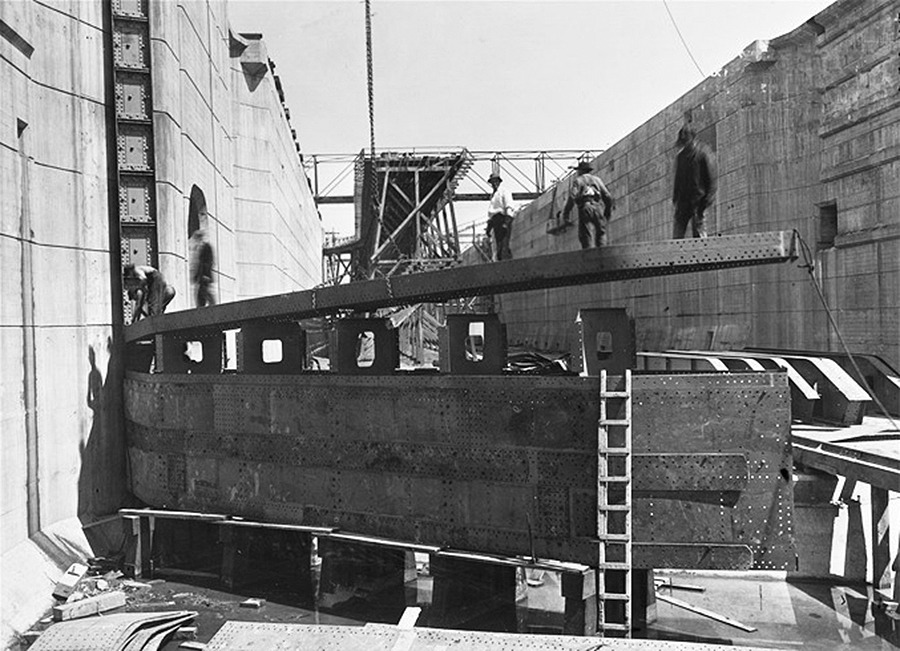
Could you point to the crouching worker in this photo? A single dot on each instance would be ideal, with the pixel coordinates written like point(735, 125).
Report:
point(148, 290)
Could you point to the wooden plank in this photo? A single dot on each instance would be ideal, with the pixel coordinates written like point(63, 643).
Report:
point(100, 603)
point(706, 613)
point(830, 458)
point(172, 515)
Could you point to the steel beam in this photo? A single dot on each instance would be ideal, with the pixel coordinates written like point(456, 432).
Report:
point(836, 459)
point(606, 264)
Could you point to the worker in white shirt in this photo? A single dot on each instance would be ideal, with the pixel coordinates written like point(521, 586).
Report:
point(500, 216)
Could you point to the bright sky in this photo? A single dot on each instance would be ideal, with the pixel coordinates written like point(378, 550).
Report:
point(499, 75)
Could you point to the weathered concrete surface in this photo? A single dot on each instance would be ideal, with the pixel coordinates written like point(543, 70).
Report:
point(62, 449)
point(60, 458)
point(794, 123)
point(225, 132)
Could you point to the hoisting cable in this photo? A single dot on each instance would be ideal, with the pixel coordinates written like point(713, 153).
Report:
point(370, 79)
point(810, 266)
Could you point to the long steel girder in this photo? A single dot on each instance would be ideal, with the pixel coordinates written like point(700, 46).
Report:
point(606, 264)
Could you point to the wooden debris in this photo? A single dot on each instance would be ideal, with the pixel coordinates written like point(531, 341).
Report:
point(131, 583)
point(185, 633)
point(66, 585)
point(660, 583)
point(31, 636)
point(410, 617)
point(706, 613)
point(90, 606)
point(253, 602)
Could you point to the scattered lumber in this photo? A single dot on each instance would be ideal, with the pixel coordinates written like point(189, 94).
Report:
point(706, 613)
point(66, 585)
point(100, 603)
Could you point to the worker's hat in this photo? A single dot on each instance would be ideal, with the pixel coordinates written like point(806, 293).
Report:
point(584, 166)
point(493, 176)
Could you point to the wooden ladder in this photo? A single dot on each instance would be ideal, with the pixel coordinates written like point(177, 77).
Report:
point(614, 506)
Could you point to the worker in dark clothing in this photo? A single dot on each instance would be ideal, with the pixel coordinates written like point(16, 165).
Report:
point(588, 192)
point(500, 217)
point(695, 184)
point(202, 260)
point(148, 289)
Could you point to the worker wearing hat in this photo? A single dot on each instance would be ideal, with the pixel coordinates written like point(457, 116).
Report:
point(500, 216)
point(587, 191)
point(695, 184)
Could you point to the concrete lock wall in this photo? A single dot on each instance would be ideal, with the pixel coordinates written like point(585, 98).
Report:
point(221, 126)
point(62, 441)
point(60, 458)
point(796, 124)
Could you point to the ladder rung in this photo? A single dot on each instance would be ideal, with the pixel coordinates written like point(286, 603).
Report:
point(614, 566)
point(613, 507)
point(614, 596)
point(609, 626)
point(615, 422)
point(614, 480)
point(614, 537)
point(615, 394)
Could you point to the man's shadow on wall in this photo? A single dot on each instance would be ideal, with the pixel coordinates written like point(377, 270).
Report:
point(103, 478)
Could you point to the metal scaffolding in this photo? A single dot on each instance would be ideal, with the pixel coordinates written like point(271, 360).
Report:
point(404, 216)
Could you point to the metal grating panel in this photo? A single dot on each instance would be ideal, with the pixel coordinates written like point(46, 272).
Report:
point(106, 633)
point(251, 636)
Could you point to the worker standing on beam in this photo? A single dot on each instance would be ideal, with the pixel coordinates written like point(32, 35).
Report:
point(500, 217)
point(587, 191)
point(695, 184)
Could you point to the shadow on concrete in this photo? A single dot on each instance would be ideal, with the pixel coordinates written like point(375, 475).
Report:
point(849, 615)
point(102, 482)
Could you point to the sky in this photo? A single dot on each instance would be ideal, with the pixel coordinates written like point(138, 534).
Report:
point(497, 75)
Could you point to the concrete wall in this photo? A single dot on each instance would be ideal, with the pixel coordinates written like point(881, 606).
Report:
point(59, 457)
point(277, 222)
point(61, 449)
point(794, 123)
point(220, 125)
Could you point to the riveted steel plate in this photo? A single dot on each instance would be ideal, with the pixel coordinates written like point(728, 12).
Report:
point(136, 200)
point(130, 8)
point(495, 464)
point(131, 46)
point(137, 245)
point(132, 96)
point(604, 264)
point(109, 632)
point(745, 414)
point(134, 150)
point(250, 636)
